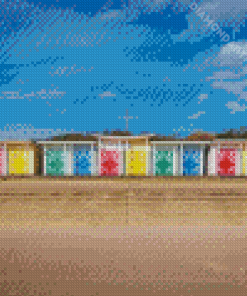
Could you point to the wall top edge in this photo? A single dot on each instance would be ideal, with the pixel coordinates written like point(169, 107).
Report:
point(123, 137)
point(65, 142)
point(154, 142)
point(181, 142)
point(17, 142)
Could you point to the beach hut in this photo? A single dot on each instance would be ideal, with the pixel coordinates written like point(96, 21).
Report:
point(123, 155)
point(225, 158)
point(19, 158)
point(179, 158)
point(3, 159)
point(138, 157)
point(165, 158)
point(67, 158)
point(244, 159)
point(55, 161)
point(193, 159)
point(111, 156)
point(84, 159)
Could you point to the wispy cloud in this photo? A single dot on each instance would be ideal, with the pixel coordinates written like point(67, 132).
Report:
point(32, 94)
point(22, 132)
point(68, 70)
point(195, 116)
point(43, 94)
point(202, 97)
point(70, 43)
point(233, 80)
point(236, 107)
point(111, 14)
point(232, 54)
point(220, 11)
point(107, 94)
point(12, 95)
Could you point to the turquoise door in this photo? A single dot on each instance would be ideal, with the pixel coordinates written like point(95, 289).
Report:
point(55, 163)
point(55, 160)
point(164, 163)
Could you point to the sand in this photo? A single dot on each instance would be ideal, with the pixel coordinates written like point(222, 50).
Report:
point(116, 238)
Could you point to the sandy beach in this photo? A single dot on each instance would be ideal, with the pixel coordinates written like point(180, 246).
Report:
point(118, 237)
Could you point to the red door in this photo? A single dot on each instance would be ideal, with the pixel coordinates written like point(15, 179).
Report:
point(227, 162)
point(109, 162)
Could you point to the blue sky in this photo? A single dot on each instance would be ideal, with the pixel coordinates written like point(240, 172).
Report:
point(71, 66)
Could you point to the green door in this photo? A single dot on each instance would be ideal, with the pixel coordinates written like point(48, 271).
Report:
point(55, 163)
point(164, 163)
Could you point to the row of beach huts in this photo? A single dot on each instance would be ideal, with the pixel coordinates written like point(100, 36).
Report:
point(124, 156)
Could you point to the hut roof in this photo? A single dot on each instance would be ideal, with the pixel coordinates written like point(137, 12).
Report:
point(162, 138)
point(74, 137)
point(232, 136)
point(201, 137)
point(118, 133)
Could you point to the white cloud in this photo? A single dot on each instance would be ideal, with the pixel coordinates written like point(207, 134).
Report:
point(110, 14)
point(78, 39)
point(107, 94)
point(195, 116)
point(32, 94)
point(22, 132)
point(43, 94)
point(222, 81)
point(232, 54)
point(202, 97)
point(233, 80)
point(68, 70)
point(10, 92)
point(222, 10)
point(235, 107)
point(13, 95)
point(55, 92)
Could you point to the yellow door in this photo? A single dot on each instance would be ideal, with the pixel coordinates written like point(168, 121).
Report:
point(245, 163)
point(18, 162)
point(136, 163)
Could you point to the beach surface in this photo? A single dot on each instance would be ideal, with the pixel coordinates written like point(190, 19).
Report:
point(138, 236)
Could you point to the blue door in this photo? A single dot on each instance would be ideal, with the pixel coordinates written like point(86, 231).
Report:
point(82, 164)
point(191, 161)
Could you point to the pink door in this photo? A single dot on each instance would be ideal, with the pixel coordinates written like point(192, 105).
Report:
point(227, 162)
point(3, 159)
point(109, 163)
